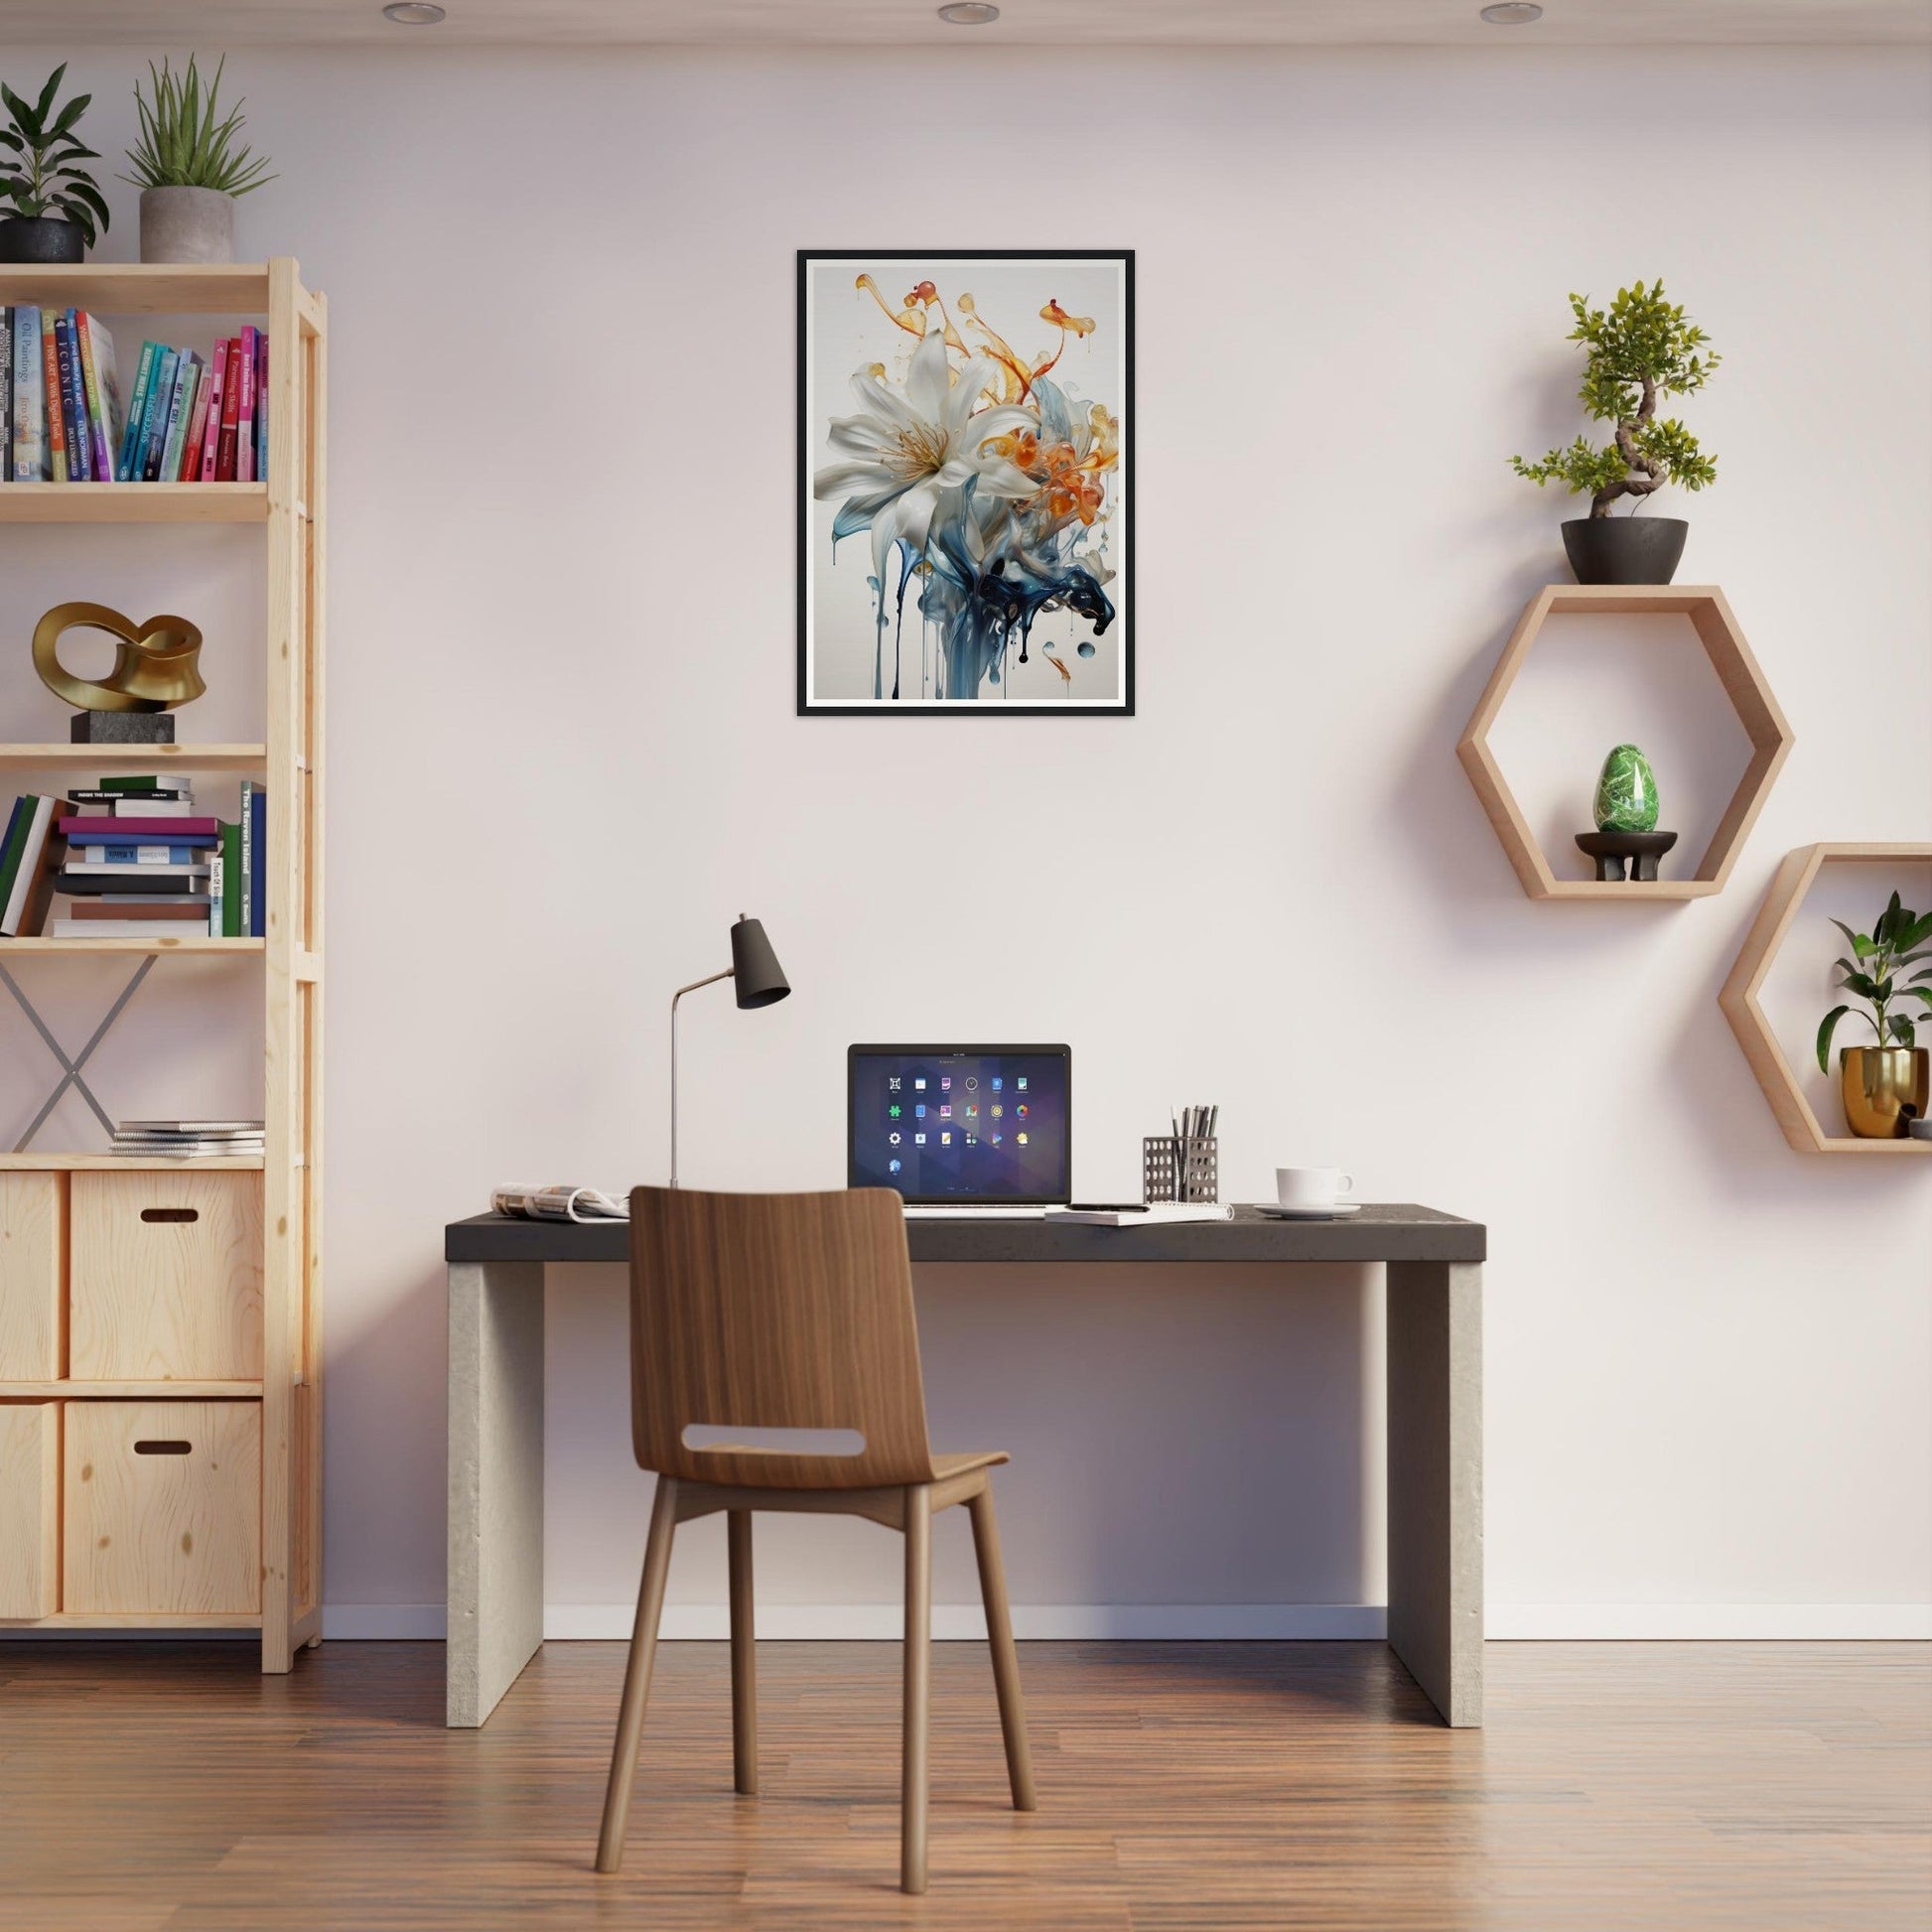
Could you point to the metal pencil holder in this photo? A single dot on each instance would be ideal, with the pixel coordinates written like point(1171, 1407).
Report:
point(1180, 1168)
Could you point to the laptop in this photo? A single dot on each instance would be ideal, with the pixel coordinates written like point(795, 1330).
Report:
point(962, 1129)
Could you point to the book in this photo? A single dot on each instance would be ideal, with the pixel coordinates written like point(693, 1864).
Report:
point(108, 869)
point(217, 383)
point(34, 874)
point(6, 394)
point(103, 381)
point(120, 929)
point(177, 831)
point(154, 430)
point(57, 434)
point(133, 782)
point(1155, 1214)
point(201, 1128)
point(179, 410)
point(190, 466)
point(16, 834)
point(230, 406)
point(73, 403)
point(88, 882)
point(126, 805)
point(137, 408)
point(261, 406)
point(231, 882)
point(29, 441)
point(217, 895)
point(101, 795)
point(145, 854)
point(244, 470)
point(141, 908)
point(255, 847)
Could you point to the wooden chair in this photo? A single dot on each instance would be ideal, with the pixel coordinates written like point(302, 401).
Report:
point(793, 1311)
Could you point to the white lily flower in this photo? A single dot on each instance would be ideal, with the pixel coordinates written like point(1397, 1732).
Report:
point(906, 449)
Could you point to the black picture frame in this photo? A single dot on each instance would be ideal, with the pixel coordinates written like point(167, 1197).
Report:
point(956, 708)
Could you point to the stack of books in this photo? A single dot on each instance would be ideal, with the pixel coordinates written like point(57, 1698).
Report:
point(186, 420)
point(186, 1140)
point(137, 862)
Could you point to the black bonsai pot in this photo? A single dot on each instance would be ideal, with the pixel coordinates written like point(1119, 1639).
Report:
point(1624, 549)
point(39, 238)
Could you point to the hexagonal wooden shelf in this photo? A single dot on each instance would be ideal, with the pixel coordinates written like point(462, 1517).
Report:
point(1795, 878)
point(1751, 697)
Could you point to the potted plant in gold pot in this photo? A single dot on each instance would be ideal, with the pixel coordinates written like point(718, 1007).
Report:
point(1885, 1086)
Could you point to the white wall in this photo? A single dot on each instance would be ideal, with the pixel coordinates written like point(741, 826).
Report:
point(563, 755)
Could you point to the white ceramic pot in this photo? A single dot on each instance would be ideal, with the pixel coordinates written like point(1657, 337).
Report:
point(186, 224)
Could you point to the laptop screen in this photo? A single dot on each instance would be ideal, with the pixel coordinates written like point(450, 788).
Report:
point(966, 1124)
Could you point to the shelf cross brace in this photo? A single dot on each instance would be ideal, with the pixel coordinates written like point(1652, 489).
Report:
point(72, 1075)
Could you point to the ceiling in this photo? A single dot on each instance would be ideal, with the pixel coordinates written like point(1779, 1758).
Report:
point(880, 23)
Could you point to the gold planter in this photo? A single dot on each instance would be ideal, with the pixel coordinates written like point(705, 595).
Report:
point(1883, 1088)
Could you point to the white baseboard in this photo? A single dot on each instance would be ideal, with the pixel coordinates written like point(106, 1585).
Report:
point(1197, 1622)
point(1707, 1622)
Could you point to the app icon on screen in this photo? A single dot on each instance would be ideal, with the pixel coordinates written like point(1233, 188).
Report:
point(945, 1083)
point(995, 1083)
point(945, 1113)
point(972, 1113)
point(995, 1139)
point(1020, 1110)
point(971, 1142)
point(892, 1083)
point(971, 1083)
point(918, 1140)
point(893, 1166)
point(919, 1110)
point(894, 1110)
point(998, 1110)
point(946, 1140)
point(1021, 1083)
point(1021, 1138)
point(918, 1084)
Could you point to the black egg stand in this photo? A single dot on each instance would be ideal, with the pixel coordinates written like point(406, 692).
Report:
point(1611, 850)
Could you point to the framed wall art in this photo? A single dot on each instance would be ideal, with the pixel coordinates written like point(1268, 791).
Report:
point(965, 445)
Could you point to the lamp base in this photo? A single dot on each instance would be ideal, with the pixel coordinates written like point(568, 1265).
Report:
point(121, 728)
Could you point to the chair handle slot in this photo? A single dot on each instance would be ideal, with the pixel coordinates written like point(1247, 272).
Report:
point(171, 1213)
point(163, 1445)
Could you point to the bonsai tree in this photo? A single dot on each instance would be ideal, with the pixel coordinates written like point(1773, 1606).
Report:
point(1899, 939)
point(1641, 348)
point(38, 177)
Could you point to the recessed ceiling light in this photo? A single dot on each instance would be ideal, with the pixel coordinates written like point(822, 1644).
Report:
point(413, 13)
point(1512, 13)
point(969, 13)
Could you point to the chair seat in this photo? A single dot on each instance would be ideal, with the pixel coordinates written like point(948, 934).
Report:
point(944, 1467)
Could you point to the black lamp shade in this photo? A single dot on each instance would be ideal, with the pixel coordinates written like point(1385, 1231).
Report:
point(757, 978)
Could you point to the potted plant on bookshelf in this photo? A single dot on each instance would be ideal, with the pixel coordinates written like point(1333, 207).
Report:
point(189, 169)
point(49, 207)
point(1885, 1086)
point(1639, 351)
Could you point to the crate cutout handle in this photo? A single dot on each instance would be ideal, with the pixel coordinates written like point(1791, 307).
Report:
point(164, 1446)
point(171, 1213)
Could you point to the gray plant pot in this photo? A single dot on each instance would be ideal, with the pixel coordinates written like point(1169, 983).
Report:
point(186, 224)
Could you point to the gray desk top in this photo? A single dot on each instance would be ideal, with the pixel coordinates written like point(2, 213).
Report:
point(1382, 1231)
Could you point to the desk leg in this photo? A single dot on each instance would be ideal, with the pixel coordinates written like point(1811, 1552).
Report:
point(496, 1588)
point(1435, 1324)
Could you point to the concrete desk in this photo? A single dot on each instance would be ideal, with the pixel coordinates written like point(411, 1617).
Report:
point(1435, 1403)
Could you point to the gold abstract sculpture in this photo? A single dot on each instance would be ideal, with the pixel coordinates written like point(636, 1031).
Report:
point(154, 662)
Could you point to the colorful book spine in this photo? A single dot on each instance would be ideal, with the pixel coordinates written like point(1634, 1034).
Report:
point(154, 831)
point(6, 395)
point(137, 407)
point(30, 439)
point(98, 373)
point(190, 466)
point(160, 400)
point(258, 864)
point(261, 407)
point(179, 410)
point(142, 855)
point(217, 384)
point(230, 408)
point(56, 421)
point(231, 894)
point(33, 881)
point(247, 881)
point(74, 401)
point(244, 469)
point(10, 846)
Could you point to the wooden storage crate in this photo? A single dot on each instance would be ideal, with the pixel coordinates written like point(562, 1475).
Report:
point(30, 1509)
point(33, 1270)
point(166, 1278)
point(162, 1507)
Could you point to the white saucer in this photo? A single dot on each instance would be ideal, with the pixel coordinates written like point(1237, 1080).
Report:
point(1337, 1213)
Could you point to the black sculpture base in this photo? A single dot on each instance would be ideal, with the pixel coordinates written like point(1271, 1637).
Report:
point(1611, 849)
point(123, 728)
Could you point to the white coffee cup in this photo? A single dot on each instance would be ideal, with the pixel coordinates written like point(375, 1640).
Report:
point(1311, 1187)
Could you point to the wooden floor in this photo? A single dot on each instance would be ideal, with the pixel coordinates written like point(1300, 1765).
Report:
point(1617, 1786)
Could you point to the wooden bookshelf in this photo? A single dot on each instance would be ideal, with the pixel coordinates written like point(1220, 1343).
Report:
point(286, 511)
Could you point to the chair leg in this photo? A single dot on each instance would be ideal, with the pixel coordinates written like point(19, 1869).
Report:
point(918, 1686)
point(1005, 1660)
point(637, 1675)
point(744, 1669)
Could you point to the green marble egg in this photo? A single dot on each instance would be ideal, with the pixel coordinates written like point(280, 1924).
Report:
point(1626, 793)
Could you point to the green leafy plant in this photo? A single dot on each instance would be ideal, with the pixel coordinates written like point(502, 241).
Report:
point(1899, 939)
point(182, 145)
point(1641, 348)
point(38, 150)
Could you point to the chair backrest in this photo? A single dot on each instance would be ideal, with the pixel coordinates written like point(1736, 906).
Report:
point(775, 1312)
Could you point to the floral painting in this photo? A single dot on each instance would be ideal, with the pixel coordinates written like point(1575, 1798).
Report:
point(965, 423)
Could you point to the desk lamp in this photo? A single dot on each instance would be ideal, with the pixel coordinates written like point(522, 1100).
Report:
point(759, 982)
